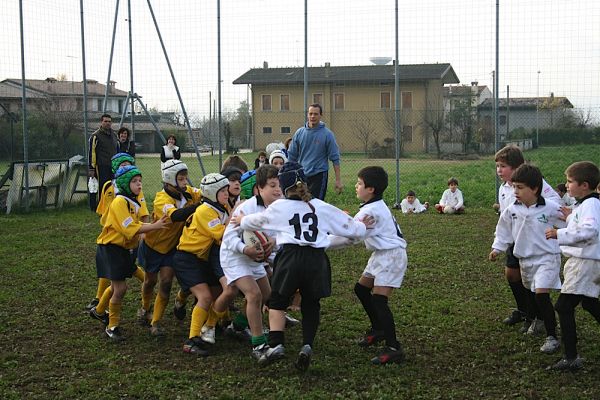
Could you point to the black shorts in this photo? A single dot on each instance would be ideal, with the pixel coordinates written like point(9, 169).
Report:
point(214, 261)
point(152, 260)
point(302, 268)
point(512, 262)
point(102, 268)
point(191, 271)
point(117, 261)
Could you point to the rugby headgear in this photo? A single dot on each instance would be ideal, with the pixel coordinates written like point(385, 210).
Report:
point(119, 159)
point(248, 182)
point(123, 177)
point(278, 153)
point(211, 184)
point(170, 170)
point(232, 173)
point(290, 174)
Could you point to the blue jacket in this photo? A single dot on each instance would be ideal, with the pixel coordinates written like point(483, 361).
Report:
point(313, 147)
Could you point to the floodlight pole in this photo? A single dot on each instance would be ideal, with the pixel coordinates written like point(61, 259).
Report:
point(496, 87)
point(131, 70)
point(219, 81)
point(305, 60)
point(397, 112)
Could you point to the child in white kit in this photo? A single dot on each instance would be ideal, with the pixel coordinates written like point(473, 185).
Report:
point(452, 199)
point(580, 241)
point(412, 205)
point(524, 223)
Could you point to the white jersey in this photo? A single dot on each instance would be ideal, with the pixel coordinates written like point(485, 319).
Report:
point(506, 194)
point(581, 237)
point(526, 228)
point(416, 206)
point(296, 222)
point(386, 233)
point(452, 199)
point(232, 246)
point(567, 201)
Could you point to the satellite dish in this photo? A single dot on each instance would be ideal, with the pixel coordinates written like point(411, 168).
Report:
point(380, 60)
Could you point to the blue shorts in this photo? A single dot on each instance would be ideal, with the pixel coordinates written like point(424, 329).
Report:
point(118, 261)
point(191, 271)
point(214, 261)
point(152, 260)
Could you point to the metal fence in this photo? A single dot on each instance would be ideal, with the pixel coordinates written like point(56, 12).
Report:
point(161, 69)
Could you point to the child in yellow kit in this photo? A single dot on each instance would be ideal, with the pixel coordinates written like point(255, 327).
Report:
point(202, 230)
point(119, 238)
point(177, 201)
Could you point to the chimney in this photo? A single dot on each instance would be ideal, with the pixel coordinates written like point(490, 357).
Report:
point(327, 69)
point(474, 83)
point(111, 86)
point(265, 65)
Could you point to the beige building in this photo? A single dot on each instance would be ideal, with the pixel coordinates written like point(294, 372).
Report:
point(358, 102)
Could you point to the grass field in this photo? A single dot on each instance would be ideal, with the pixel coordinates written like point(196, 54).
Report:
point(448, 315)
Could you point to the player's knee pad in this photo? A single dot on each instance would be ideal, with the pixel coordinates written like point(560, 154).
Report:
point(278, 302)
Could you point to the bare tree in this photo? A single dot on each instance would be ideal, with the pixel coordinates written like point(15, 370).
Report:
point(364, 131)
point(435, 122)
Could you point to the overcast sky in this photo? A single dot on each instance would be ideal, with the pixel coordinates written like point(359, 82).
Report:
point(559, 38)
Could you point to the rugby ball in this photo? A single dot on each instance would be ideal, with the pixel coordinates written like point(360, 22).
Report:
point(256, 239)
point(449, 210)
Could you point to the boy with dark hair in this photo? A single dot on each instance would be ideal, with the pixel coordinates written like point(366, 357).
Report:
point(508, 159)
point(243, 264)
point(452, 199)
point(411, 205)
point(580, 241)
point(523, 224)
point(386, 266)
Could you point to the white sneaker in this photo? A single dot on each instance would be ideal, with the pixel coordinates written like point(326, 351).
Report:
point(550, 346)
point(536, 328)
point(208, 334)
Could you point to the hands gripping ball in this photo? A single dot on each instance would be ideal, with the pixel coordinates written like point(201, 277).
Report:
point(258, 240)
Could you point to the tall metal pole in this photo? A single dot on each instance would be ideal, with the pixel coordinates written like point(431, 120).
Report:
point(185, 115)
point(305, 60)
point(110, 60)
point(85, 91)
point(24, 108)
point(131, 70)
point(210, 136)
point(397, 111)
point(497, 86)
point(537, 112)
point(219, 83)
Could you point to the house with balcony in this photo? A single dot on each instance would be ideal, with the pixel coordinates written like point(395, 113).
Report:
point(358, 102)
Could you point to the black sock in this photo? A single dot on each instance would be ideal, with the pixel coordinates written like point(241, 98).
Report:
point(547, 312)
point(364, 295)
point(387, 320)
point(533, 311)
point(520, 294)
point(311, 315)
point(591, 305)
point(565, 306)
point(275, 338)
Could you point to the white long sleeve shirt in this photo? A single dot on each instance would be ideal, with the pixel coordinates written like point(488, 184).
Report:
point(506, 194)
point(232, 246)
point(581, 237)
point(297, 223)
point(386, 233)
point(452, 199)
point(526, 228)
point(416, 206)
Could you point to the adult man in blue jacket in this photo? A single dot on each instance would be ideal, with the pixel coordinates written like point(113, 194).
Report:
point(313, 146)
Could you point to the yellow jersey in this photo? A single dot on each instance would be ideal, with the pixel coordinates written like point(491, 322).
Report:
point(203, 228)
point(108, 195)
point(164, 240)
point(122, 223)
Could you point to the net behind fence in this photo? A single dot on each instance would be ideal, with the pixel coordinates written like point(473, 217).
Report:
point(167, 60)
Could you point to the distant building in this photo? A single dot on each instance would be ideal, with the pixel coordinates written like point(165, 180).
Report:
point(61, 95)
point(358, 101)
point(524, 112)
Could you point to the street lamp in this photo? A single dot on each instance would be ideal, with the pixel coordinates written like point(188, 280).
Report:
point(537, 112)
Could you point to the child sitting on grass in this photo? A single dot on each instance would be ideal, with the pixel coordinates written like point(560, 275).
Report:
point(452, 199)
point(412, 205)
